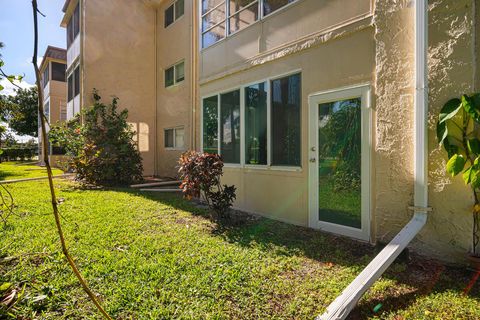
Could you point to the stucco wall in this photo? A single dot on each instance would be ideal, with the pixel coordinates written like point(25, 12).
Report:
point(447, 233)
point(329, 64)
point(118, 57)
point(174, 104)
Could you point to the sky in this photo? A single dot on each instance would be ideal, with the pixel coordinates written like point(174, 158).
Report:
point(16, 32)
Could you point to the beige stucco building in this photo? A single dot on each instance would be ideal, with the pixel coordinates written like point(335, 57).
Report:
point(52, 71)
point(262, 82)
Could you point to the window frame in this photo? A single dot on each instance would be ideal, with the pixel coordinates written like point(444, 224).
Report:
point(226, 20)
point(174, 130)
point(268, 89)
point(175, 18)
point(175, 82)
point(71, 73)
point(71, 26)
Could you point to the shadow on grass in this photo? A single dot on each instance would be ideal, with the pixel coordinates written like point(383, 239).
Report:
point(421, 276)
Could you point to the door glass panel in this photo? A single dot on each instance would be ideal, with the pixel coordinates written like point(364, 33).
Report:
point(339, 165)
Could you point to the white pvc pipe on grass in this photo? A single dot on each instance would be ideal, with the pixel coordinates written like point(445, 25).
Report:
point(344, 304)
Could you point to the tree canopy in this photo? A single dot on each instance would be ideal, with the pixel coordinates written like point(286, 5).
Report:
point(20, 111)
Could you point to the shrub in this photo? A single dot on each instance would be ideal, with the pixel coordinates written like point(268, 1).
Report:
point(100, 145)
point(201, 174)
point(18, 153)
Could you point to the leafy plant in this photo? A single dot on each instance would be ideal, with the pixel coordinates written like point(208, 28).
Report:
point(201, 174)
point(100, 144)
point(341, 139)
point(458, 133)
point(20, 111)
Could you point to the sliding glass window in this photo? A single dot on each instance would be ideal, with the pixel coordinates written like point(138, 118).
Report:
point(210, 124)
point(256, 124)
point(213, 22)
point(242, 14)
point(286, 105)
point(270, 6)
point(221, 18)
point(266, 115)
point(230, 126)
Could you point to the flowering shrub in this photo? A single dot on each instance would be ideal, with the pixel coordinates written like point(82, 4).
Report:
point(100, 144)
point(200, 174)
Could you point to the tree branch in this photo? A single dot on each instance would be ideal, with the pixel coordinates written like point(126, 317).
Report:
point(49, 169)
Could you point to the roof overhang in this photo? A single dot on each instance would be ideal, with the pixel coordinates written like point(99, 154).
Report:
point(68, 8)
point(53, 54)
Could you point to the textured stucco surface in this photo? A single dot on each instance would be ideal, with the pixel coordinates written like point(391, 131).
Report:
point(451, 58)
point(118, 52)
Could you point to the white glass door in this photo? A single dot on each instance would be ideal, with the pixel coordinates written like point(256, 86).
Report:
point(339, 161)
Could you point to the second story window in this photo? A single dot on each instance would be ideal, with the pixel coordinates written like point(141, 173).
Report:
point(73, 84)
point(73, 26)
point(221, 18)
point(58, 71)
point(175, 74)
point(174, 12)
point(46, 76)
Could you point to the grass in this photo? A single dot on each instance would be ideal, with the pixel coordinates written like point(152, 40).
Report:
point(20, 170)
point(154, 256)
point(337, 206)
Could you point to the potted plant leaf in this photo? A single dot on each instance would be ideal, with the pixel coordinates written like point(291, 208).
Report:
point(458, 132)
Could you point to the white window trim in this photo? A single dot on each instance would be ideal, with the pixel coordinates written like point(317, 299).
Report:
point(261, 17)
point(175, 82)
point(175, 19)
point(364, 92)
point(174, 148)
point(242, 163)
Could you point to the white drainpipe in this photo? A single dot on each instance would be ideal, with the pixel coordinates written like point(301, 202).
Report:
point(343, 304)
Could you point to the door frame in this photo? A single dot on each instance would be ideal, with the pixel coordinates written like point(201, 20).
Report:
point(364, 92)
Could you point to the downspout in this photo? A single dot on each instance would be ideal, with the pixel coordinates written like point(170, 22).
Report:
point(344, 304)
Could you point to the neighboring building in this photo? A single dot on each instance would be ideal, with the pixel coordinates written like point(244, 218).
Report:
point(265, 82)
point(53, 81)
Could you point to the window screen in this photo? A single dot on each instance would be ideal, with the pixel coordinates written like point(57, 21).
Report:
point(77, 81)
point(58, 71)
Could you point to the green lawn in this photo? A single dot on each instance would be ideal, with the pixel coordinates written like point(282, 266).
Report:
point(153, 256)
point(21, 170)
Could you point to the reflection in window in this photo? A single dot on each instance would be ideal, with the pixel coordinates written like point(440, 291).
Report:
point(230, 126)
point(243, 13)
point(210, 125)
point(174, 12)
point(286, 105)
point(213, 22)
point(270, 6)
point(256, 124)
point(217, 22)
point(175, 74)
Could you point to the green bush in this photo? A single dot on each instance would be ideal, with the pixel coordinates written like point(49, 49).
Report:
point(18, 153)
point(100, 144)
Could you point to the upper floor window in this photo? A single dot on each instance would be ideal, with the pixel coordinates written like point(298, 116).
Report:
point(46, 76)
point(175, 11)
point(175, 74)
point(73, 84)
point(221, 18)
point(73, 26)
point(58, 71)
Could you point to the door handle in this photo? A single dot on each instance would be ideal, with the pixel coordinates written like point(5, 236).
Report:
point(313, 159)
